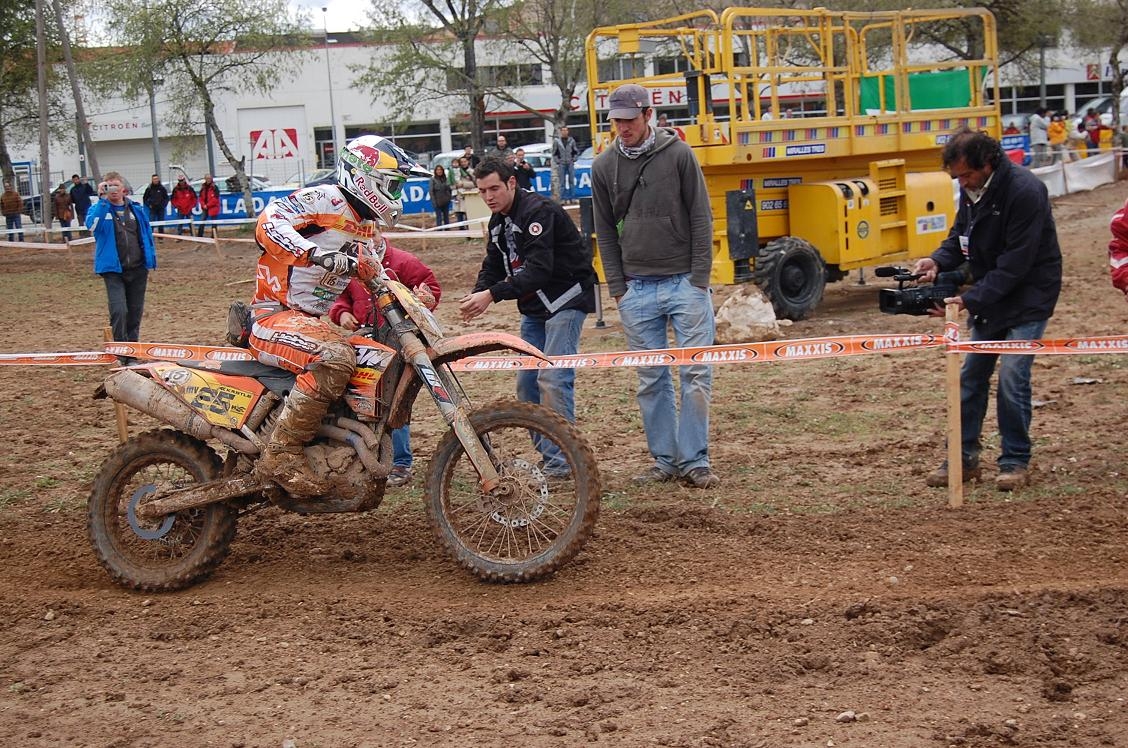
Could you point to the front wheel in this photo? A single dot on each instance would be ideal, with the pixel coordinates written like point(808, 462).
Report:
point(170, 553)
point(542, 512)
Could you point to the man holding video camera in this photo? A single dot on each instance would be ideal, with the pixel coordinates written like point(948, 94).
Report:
point(1005, 233)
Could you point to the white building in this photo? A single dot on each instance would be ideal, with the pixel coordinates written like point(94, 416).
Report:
point(290, 130)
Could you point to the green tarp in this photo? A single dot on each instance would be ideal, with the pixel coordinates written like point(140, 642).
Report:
point(946, 89)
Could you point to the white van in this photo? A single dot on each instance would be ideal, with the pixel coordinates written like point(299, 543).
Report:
point(1103, 105)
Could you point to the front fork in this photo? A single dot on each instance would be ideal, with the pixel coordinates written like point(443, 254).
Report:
point(453, 413)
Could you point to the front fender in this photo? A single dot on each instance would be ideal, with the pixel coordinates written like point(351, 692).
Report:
point(454, 349)
point(473, 344)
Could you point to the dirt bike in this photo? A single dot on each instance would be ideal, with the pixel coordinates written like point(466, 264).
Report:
point(163, 510)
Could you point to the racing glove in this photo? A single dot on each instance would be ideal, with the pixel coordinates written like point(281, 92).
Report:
point(338, 263)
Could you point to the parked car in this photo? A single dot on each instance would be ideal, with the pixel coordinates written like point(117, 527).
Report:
point(1020, 122)
point(586, 156)
point(1103, 105)
point(229, 184)
point(311, 178)
point(444, 159)
point(537, 154)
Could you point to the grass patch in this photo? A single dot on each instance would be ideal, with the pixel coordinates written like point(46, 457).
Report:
point(64, 504)
point(13, 496)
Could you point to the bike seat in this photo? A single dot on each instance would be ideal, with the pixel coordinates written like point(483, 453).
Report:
point(278, 381)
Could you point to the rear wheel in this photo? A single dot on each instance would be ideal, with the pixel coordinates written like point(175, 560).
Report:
point(542, 512)
point(792, 274)
point(174, 551)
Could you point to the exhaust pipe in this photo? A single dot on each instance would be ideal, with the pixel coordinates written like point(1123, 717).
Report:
point(143, 394)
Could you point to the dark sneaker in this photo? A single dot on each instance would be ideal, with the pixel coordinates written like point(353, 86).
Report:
point(1012, 478)
point(938, 478)
point(400, 476)
point(701, 477)
point(653, 475)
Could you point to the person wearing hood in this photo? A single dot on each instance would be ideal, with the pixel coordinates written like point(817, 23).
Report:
point(655, 232)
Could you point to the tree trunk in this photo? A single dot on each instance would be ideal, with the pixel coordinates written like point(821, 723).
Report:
point(236, 163)
point(474, 94)
point(46, 204)
point(91, 159)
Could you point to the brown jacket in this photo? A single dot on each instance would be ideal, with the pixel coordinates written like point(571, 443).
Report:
point(62, 201)
point(11, 204)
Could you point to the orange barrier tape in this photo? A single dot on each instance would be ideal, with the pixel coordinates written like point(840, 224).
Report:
point(739, 353)
point(79, 358)
point(1064, 346)
point(171, 352)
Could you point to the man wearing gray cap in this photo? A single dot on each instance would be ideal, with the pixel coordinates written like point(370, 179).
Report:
point(655, 233)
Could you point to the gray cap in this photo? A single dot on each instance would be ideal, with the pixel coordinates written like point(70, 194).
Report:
point(627, 101)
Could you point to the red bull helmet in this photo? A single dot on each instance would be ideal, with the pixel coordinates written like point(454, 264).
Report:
point(374, 170)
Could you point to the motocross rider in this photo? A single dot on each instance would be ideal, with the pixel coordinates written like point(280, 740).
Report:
point(311, 242)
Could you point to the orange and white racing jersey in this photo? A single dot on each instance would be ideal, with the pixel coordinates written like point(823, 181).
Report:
point(288, 230)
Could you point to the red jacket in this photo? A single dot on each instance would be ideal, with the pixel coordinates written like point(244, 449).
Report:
point(1118, 249)
point(209, 199)
point(183, 198)
point(402, 266)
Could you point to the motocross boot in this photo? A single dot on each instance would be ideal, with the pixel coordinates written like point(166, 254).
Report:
point(283, 461)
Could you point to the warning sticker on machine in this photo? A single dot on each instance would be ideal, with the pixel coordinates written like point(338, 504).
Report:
point(932, 224)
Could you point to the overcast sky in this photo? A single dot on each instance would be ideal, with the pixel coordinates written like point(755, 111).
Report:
point(342, 15)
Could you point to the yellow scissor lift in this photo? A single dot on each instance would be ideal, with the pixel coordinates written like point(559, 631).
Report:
point(798, 201)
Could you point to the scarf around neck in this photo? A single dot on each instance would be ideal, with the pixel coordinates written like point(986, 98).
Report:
point(638, 150)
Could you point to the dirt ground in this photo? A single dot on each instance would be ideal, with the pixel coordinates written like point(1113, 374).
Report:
point(822, 596)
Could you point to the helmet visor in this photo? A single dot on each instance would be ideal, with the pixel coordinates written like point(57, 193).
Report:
point(394, 186)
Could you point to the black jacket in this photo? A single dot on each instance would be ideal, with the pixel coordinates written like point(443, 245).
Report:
point(156, 198)
point(526, 175)
point(1013, 251)
point(551, 269)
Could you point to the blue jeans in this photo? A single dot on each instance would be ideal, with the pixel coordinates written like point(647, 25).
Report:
point(401, 446)
point(442, 216)
point(678, 441)
point(14, 222)
point(1012, 399)
point(566, 175)
point(126, 294)
point(558, 335)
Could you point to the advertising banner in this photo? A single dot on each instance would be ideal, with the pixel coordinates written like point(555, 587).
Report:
point(416, 196)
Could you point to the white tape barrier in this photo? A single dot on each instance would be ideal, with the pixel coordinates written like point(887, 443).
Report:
point(1067, 177)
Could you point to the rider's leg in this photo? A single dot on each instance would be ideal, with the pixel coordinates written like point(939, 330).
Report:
point(324, 363)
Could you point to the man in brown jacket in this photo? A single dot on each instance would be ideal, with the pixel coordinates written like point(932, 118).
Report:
point(12, 205)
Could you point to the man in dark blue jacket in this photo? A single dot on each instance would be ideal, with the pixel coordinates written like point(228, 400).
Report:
point(536, 256)
point(1005, 234)
point(80, 193)
point(123, 254)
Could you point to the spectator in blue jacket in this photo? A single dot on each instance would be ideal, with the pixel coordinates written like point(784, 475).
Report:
point(123, 254)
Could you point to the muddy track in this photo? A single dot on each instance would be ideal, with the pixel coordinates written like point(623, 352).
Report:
point(821, 597)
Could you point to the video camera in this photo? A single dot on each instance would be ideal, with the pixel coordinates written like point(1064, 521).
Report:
point(916, 300)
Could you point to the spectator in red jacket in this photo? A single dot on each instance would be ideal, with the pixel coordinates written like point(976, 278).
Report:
point(184, 200)
point(354, 308)
point(209, 202)
point(1118, 249)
